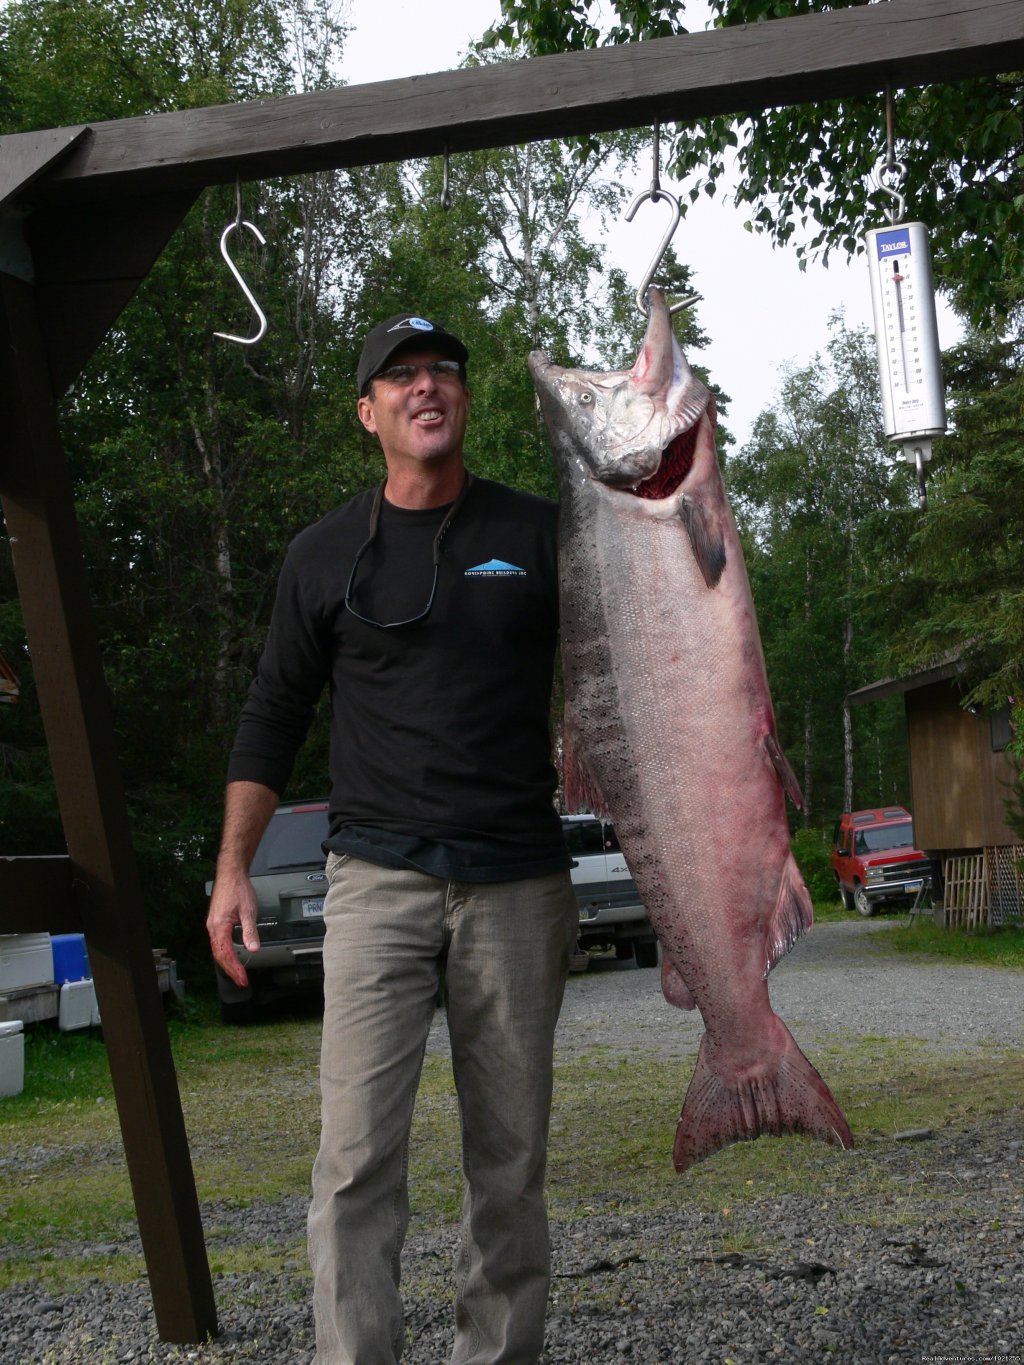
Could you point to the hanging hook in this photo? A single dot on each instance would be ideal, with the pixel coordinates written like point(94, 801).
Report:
point(227, 336)
point(446, 193)
point(880, 178)
point(239, 222)
point(641, 294)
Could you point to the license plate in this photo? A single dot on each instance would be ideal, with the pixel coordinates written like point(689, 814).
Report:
point(915, 886)
point(313, 907)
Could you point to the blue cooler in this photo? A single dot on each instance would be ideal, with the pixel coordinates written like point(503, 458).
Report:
point(69, 959)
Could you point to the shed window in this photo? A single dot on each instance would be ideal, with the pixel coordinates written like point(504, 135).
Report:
point(999, 728)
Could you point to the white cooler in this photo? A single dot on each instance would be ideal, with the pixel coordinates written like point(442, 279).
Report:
point(12, 1058)
point(25, 960)
point(77, 1007)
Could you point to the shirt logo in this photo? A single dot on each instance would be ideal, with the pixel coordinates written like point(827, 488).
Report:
point(420, 324)
point(495, 568)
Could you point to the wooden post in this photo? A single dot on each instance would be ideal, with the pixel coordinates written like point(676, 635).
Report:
point(35, 487)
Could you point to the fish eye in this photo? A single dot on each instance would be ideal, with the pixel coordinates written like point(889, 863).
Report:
point(586, 396)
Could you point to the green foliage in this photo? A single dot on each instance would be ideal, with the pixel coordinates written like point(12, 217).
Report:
point(961, 590)
point(803, 169)
point(194, 461)
point(809, 491)
point(811, 850)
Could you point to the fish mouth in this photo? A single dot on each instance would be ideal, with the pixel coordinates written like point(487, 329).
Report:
point(675, 463)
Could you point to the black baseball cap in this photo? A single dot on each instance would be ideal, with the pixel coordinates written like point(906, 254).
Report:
point(387, 336)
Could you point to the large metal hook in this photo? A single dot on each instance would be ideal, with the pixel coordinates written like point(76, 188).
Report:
point(656, 194)
point(894, 171)
point(261, 330)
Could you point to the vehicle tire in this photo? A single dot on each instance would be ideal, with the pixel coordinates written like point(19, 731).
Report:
point(861, 903)
point(579, 960)
point(646, 952)
point(845, 896)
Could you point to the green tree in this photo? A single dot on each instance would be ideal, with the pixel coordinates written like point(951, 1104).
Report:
point(194, 461)
point(808, 489)
point(960, 590)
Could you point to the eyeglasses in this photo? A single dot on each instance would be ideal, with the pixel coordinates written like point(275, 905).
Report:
point(374, 524)
point(403, 375)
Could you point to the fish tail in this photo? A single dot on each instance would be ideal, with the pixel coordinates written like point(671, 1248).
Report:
point(781, 1094)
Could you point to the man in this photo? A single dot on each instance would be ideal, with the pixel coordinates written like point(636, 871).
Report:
point(428, 608)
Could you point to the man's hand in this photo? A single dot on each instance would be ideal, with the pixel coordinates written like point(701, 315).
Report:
point(233, 902)
point(248, 807)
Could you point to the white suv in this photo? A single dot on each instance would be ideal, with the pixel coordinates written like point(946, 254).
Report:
point(611, 912)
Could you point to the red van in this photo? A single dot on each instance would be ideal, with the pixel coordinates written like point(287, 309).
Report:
point(874, 860)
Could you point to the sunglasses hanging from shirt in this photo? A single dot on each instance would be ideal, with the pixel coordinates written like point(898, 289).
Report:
point(436, 553)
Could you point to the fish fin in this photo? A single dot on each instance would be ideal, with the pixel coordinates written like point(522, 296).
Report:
point(781, 764)
point(706, 539)
point(581, 792)
point(793, 914)
point(674, 988)
point(785, 1094)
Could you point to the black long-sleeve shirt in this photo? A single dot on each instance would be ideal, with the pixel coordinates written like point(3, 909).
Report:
point(440, 740)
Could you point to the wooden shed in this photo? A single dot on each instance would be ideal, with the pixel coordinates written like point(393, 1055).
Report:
point(961, 776)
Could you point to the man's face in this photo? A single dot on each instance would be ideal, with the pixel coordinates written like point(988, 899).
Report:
point(423, 422)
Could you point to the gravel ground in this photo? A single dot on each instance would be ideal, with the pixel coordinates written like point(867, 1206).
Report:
point(839, 1282)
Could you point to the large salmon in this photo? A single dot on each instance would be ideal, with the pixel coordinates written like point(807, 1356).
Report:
point(670, 729)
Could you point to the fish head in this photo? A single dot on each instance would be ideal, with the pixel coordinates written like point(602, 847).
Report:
point(632, 429)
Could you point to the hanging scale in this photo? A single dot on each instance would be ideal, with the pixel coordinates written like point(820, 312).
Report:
point(906, 333)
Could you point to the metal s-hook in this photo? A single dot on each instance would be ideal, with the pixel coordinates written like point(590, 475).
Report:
point(655, 193)
point(884, 172)
point(239, 222)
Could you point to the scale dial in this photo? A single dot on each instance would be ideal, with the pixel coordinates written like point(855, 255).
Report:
point(906, 334)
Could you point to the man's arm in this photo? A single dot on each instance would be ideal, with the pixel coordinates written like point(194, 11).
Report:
point(248, 807)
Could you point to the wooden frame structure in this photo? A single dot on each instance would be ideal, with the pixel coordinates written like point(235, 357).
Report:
point(128, 185)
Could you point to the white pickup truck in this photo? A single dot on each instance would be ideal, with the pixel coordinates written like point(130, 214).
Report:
point(611, 912)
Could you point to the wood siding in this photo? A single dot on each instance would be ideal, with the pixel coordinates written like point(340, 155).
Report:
point(958, 784)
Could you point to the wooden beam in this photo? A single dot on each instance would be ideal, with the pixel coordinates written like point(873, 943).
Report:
point(734, 70)
point(35, 486)
point(27, 157)
point(84, 279)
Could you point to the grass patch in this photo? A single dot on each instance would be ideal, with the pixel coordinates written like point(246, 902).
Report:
point(252, 1112)
point(614, 1125)
point(64, 1273)
point(984, 947)
point(828, 911)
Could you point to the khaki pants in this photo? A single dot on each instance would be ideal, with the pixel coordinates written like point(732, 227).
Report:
point(504, 948)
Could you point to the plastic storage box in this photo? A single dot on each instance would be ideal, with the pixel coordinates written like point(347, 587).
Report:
point(12, 1058)
point(25, 960)
point(69, 959)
